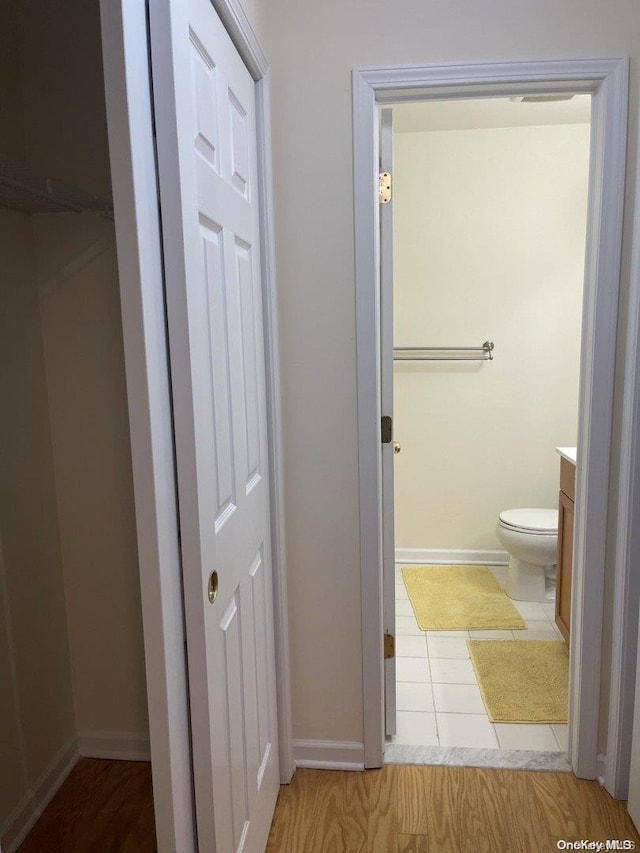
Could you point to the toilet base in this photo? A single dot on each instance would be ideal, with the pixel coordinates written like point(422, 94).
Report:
point(526, 582)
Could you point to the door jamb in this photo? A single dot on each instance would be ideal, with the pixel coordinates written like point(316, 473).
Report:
point(626, 591)
point(137, 225)
point(607, 81)
point(125, 43)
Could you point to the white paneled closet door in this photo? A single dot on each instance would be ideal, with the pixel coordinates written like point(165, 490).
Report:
point(204, 100)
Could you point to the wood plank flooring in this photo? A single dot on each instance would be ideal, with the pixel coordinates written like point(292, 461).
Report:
point(406, 809)
point(102, 807)
point(107, 807)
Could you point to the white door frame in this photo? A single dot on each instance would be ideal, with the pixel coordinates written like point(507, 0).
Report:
point(626, 591)
point(385, 161)
point(607, 81)
point(125, 42)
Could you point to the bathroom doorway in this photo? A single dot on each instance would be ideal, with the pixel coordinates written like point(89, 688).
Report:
point(487, 221)
point(373, 88)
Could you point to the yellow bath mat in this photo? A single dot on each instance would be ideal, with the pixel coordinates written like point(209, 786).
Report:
point(459, 598)
point(522, 681)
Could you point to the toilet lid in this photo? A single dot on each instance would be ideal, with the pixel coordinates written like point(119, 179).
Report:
point(535, 520)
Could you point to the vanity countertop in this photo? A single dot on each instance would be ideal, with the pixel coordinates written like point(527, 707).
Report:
point(568, 453)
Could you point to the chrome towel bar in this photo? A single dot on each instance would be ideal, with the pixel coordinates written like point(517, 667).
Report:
point(482, 353)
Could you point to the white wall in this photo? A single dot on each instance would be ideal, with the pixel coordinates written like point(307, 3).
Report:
point(312, 48)
point(489, 237)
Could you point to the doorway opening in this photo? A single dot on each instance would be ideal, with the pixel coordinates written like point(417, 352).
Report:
point(488, 229)
point(606, 82)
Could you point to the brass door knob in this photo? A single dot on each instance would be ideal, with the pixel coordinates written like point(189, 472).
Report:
point(396, 447)
point(213, 587)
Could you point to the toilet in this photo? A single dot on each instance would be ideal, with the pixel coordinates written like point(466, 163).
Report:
point(530, 536)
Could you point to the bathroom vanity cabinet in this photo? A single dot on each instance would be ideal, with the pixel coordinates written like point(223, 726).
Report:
point(565, 544)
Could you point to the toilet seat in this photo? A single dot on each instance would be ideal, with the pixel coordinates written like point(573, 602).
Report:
point(542, 522)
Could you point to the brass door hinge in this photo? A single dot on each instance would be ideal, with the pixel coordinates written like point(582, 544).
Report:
point(386, 429)
point(384, 187)
point(389, 646)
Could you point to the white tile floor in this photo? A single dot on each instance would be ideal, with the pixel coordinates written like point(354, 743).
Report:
point(438, 699)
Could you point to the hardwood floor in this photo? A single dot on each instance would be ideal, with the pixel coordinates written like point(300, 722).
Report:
point(442, 810)
point(107, 807)
point(103, 807)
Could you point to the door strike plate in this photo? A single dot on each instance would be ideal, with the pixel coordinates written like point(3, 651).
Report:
point(389, 646)
point(386, 429)
point(384, 187)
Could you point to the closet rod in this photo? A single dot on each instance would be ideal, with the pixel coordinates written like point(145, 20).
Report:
point(484, 353)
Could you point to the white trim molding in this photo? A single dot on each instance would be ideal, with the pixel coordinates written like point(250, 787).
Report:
point(18, 825)
point(607, 81)
point(246, 43)
point(601, 769)
point(242, 35)
point(626, 592)
point(275, 430)
point(329, 754)
point(118, 746)
point(133, 173)
point(451, 557)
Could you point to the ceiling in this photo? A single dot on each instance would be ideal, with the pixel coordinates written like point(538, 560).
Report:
point(488, 112)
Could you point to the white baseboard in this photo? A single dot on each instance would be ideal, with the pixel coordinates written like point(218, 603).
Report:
point(120, 746)
point(328, 754)
point(602, 768)
point(17, 826)
point(451, 557)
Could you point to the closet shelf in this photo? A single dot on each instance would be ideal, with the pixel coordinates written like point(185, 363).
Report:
point(24, 190)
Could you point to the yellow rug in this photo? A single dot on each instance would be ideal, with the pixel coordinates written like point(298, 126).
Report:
point(522, 681)
point(459, 598)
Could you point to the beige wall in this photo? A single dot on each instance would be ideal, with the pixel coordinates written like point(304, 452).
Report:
point(66, 137)
point(255, 11)
point(489, 237)
point(36, 704)
point(37, 708)
point(82, 335)
point(312, 48)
